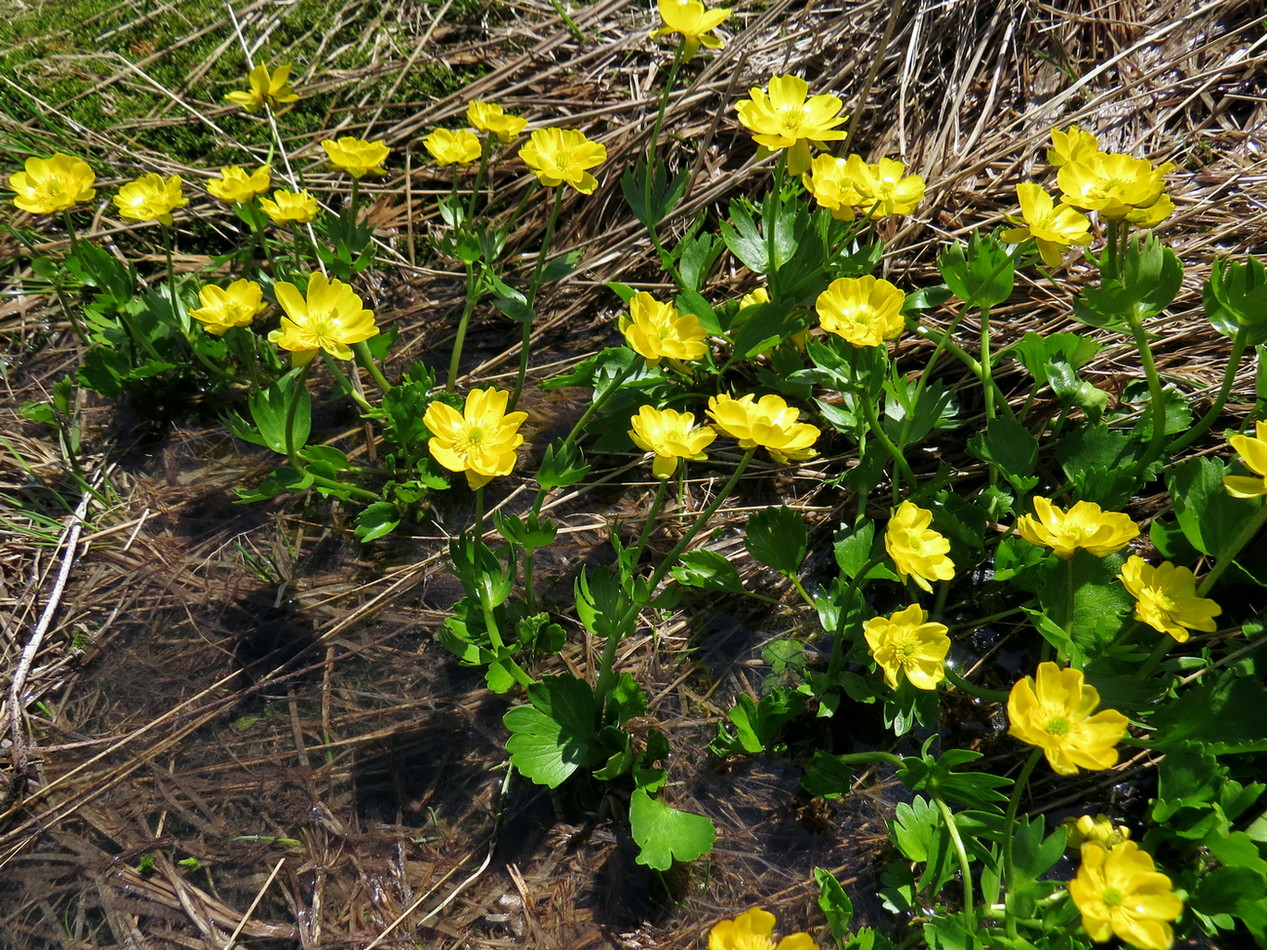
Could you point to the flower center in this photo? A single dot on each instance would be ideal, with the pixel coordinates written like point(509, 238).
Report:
point(1112, 897)
point(1057, 726)
point(791, 117)
point(905, 645)
point(474, 435)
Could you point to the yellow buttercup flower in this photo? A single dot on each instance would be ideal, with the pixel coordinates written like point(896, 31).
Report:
point(907, 643)
point(287, 206)
point(693, 21)
point(238, 186)
point(768, 422)
point(832, 186)
point(754, 930)
point(787, 117)
point(1086, 525)
point(885, 188)
point(753, 297)
point(448, 147)
point(271, 90)
point(224, 308)
point(556, 156)
point(917, 551)
point(357, 157)
point(1166, 598)
point(1053, 711)
point(49, 185)
point(1053, 227)
point(1253, 453)
point(492, 118)
point(866, 311)
point(1120, 893)
point(481, 440)
point(1099, 829)
point(657, 331)
point(1071, 145)
point(671, 435)
point(1112, 184)
point(330, 317)
point(151, 198)
point(1150, 217)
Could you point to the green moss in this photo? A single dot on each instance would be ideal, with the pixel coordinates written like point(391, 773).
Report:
point(98, 66)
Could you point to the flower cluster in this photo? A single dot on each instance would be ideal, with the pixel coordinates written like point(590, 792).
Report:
point(865, 311)
point(918, 552)
point(1120, 893)
point(266, 90)
point(1086, 525)
point(693, 21)
point(329, 318)
point(671, 436)
point(754, 930)
point(787, 117)
point(224, 308)
point(768, 422)
point(50, 185)
point(656, 331)
point(151, 198)
point(909, 644)
point(1166, 598)
point(238, 186)
point(557, 156)
point(481, 440)
point(357, 157)
point(849, 186)
point(1055, 711)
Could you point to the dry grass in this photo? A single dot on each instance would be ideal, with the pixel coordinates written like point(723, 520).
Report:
point(245, 688)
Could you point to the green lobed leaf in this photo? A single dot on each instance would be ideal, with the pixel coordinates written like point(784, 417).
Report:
point(1209, 517)
point(554, 736)
point(376, 521)
point(778, 538)
point(708, 570)
point(833, 902)
point(980, 273)
point(665, 835)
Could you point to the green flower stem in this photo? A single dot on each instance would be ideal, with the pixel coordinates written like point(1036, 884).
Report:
point(877, 430)
point(366, 360)
point(800, 589)
point(486, 146)
point(472, 296)
point(605, 677)
point(837, 645)
point(486, 607)
point(597, 403)
point(352, 202)
point(171, 274)
point(649, 523)
point(965, 869)
point(1110, 257)
point(1009, 863)
point(870, 758)
point(1181, 442)
point(1156, 396)
point(526, 344)
point(972, 689)
point(291, 408)
point(242, 342)
point(1165, 644)
point(1227, 556)
point(345, 384)
point(648, 181)
point(987, 370)
point(771, 245)
point(944, 341)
